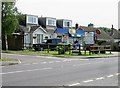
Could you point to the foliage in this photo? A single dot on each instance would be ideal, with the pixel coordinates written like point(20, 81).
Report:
point(105, 29)
point(62, 48)
point(9, 17)
point(8, 59)
point(99, 42)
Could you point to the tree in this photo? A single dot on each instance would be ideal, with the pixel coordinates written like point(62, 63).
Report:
point(107, 30)
point(9, 20)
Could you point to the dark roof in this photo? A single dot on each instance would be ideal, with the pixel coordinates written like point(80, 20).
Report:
point(116, 34)
point(49, 30)
point(102, 36)
point(33, 28)
point(21, 28)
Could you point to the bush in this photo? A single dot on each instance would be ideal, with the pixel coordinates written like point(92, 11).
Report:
point(62, 48)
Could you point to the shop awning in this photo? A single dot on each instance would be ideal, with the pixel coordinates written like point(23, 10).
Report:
point(80, 32)
point(62, 30)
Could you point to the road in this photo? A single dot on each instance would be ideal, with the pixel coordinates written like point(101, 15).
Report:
point(56, 71)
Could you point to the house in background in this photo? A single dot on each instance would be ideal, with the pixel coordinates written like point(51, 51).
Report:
point(39, 30)
point(63, 26)
point(49, 25)
point(100, 34)
point(64, 23)
point(115, 34)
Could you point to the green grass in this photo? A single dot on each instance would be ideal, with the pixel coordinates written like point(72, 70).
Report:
point(8, 59)
point(30, 52)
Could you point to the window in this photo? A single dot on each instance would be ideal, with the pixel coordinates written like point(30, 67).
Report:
point(51, 22)
point(32, 19)
point(39, 38)
point(67, 24)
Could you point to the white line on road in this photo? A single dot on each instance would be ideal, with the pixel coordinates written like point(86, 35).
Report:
point(99, 78)
point(88, 81)
point(74, 84)
point(110, 76)
point(19, 61)
point(44, 62)
point(117, 73)
point(25, 71)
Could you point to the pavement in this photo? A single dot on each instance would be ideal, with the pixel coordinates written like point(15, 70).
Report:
point(7, 63)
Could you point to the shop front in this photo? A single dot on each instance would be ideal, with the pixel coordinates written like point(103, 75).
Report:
point(70, 36)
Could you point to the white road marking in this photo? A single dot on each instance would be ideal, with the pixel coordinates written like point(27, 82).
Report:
point(117, 73)
point(19, 61)
point(74, 84)
point(25, 71)
point(99, 78)
point(110, 76)
point(44, 62)
point(88, 81)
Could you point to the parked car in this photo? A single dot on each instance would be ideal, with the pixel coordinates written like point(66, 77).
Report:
point(50, 43)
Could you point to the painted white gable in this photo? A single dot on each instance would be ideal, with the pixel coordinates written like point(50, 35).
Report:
point(40, 35)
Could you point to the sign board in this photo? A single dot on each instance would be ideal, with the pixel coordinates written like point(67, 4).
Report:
point(31, 19)
point(72, 31)
point(89, 38)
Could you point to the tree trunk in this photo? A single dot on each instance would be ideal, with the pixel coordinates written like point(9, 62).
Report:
point(3, 42)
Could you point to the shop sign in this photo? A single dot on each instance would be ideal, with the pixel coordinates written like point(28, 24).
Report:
point(72, 31)
point(89, 38)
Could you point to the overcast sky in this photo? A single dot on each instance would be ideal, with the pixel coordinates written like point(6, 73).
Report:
point(102, 13)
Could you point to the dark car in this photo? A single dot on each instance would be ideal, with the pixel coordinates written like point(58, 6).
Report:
point(50, 43)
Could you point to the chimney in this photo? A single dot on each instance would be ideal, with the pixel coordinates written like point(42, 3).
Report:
point(91, 25)
point(111, 31)
point(76, 26)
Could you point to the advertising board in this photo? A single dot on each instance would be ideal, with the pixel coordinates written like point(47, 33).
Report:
point(89, 38)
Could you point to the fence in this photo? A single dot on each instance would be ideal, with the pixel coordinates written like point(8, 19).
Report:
point(100, 49)
point(70, 48)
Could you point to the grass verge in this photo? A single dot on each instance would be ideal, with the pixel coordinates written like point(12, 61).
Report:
point(55, 53)
point(8, 59)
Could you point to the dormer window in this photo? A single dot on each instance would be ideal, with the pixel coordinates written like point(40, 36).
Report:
point(51, 22)
point(67, 23)
point(30, 19)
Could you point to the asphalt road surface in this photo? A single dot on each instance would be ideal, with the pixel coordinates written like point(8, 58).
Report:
point(56, 71)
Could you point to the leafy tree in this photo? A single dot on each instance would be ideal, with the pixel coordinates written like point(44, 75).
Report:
point(9, 20)
point(107, 30)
